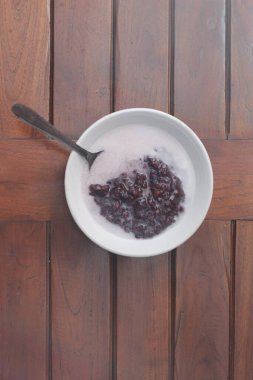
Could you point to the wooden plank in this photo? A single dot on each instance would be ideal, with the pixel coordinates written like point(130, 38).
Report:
point(202, 304)
point(243, 365)
point(241, 70)
point(199, 94)
point(143, 318)
point(24, 57)
point(23, 297)
point(81, 328)
point(233, 179)
point(32, 175)
point(142, 59)
point(31, 186)
point(81, 63)
point(142, 54)
point(80, 306)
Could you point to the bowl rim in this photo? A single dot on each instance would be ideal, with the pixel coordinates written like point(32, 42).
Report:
point(196, 140)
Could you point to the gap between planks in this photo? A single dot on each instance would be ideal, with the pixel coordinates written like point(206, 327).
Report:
point(113, 275)
point(172, 287)
point(49, 301)
point(227, 67)
point(232, 302)
point(51, 72)
point(171, 61)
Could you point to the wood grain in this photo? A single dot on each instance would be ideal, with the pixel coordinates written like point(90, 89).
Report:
point(142, 58)
point(24, 57)
point(82, 46)
point(199, 84)
point(243, 301)
point(31, 185)
point(23, 298)
point(202, 304)
point(233, 179)
point(142, 54)
point(126, 332)
point(143, 318)
point(32, 176)
point(241, 70)
point(80, 306)
point(80, 270)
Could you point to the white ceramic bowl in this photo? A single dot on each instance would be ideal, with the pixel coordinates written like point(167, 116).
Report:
point(177, 233)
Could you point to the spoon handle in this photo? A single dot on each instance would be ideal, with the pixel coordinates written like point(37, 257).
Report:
point(35, 120)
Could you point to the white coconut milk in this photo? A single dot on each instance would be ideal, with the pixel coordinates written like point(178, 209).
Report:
point(123, 147)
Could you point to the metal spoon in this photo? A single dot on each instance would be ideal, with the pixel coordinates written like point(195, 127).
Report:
point(35, 120)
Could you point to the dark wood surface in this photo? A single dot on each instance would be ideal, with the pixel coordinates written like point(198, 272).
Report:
point(202, 304)
point(68, 309)
point(81, 70)
point(24, 301)
point(80, 305)
point(199, 66)
point(25, 62)
point(142, 54)
point(243, 301)
point(241, 70)
point(143, 318)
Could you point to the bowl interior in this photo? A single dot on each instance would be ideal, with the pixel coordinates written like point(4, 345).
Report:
point(179, 231)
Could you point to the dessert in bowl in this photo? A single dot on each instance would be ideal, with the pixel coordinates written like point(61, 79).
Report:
point(149, 190)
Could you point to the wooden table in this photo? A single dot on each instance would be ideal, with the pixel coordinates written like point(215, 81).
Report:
point(68, 309)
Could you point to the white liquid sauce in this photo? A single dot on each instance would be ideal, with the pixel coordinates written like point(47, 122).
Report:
point(123, 147)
